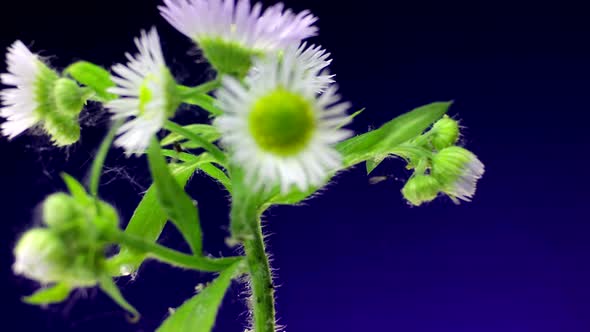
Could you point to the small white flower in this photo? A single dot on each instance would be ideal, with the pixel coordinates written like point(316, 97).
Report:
point(145, 94)
point(277, 127)
point(458, 170)
point(239, 22)
point(22, 104)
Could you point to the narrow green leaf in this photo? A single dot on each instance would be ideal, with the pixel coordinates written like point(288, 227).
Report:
point(217, 174)
point(50, 295)
point(350, 118)
point(149, 218)
point(76, 189)
point(373, 146)
point(208, 132)
point(379, 142)
point(179, 207)
point(108, 286)
point(199, 313)
point(93, 76)
point(374, 163)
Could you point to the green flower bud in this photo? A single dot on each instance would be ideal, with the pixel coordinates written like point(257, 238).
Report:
point(59, 210)
point(40, 255)
point(69, 97)
point(107, 219)
point(64, 130)
point(458, 171)
point(445, 133)
point(421, 189)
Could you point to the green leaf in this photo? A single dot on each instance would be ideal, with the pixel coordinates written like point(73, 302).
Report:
point(350, 118)
point(179, 207)
point(217, 174)
point(76, 189)
point(374, 146)
point(50, 295)
point(199, 313)
point(379, 142)
point(149, 218)
point(208, 132)
point(199, 97)
point(95, 77)
point(108, 286)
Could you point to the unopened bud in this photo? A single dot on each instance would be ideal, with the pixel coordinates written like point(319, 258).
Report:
point(59, 209)
point(445, 133)
point(40, 256)
point(64, 130)
point(421, 189)
point(69, 97)
point(458, 171)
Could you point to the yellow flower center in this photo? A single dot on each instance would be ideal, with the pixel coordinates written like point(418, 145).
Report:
point(282, 122)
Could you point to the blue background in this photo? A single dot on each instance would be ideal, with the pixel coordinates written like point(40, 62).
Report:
point(357, 258)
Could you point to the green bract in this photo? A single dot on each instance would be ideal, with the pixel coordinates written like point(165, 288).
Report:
point(69, 97)
point(227, 57)
point(449, 164)
point(445, 133)
point(421, 189)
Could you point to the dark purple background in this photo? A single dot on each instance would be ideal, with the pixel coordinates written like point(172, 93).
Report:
point(357, 258)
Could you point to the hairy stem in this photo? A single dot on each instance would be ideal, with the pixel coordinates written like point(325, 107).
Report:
point(101, 156)
point(198, 96)
point(262, 288)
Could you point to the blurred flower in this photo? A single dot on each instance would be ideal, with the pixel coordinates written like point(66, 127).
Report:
point(230, 33)
point(40, 255)
point(31, 100)
point(147, 93)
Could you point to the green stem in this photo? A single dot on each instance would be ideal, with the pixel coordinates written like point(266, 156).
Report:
point(198, 96)
point(172, 257)
point(262, 288)
point(208, 146)
point(101, 156)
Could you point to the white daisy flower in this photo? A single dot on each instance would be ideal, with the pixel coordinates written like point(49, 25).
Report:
point(230, 33)
point(27, 102)
point(146, 89)
point(278, 128)
point(458, 171)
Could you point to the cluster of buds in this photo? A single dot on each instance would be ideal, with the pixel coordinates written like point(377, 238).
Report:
point(70, 248)
point(447, 169)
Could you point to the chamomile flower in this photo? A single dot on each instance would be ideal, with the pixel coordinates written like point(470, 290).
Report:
point(278, 128)
point(457, 170)
point(147, 93)
point(27, 102)
point(230, 32)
